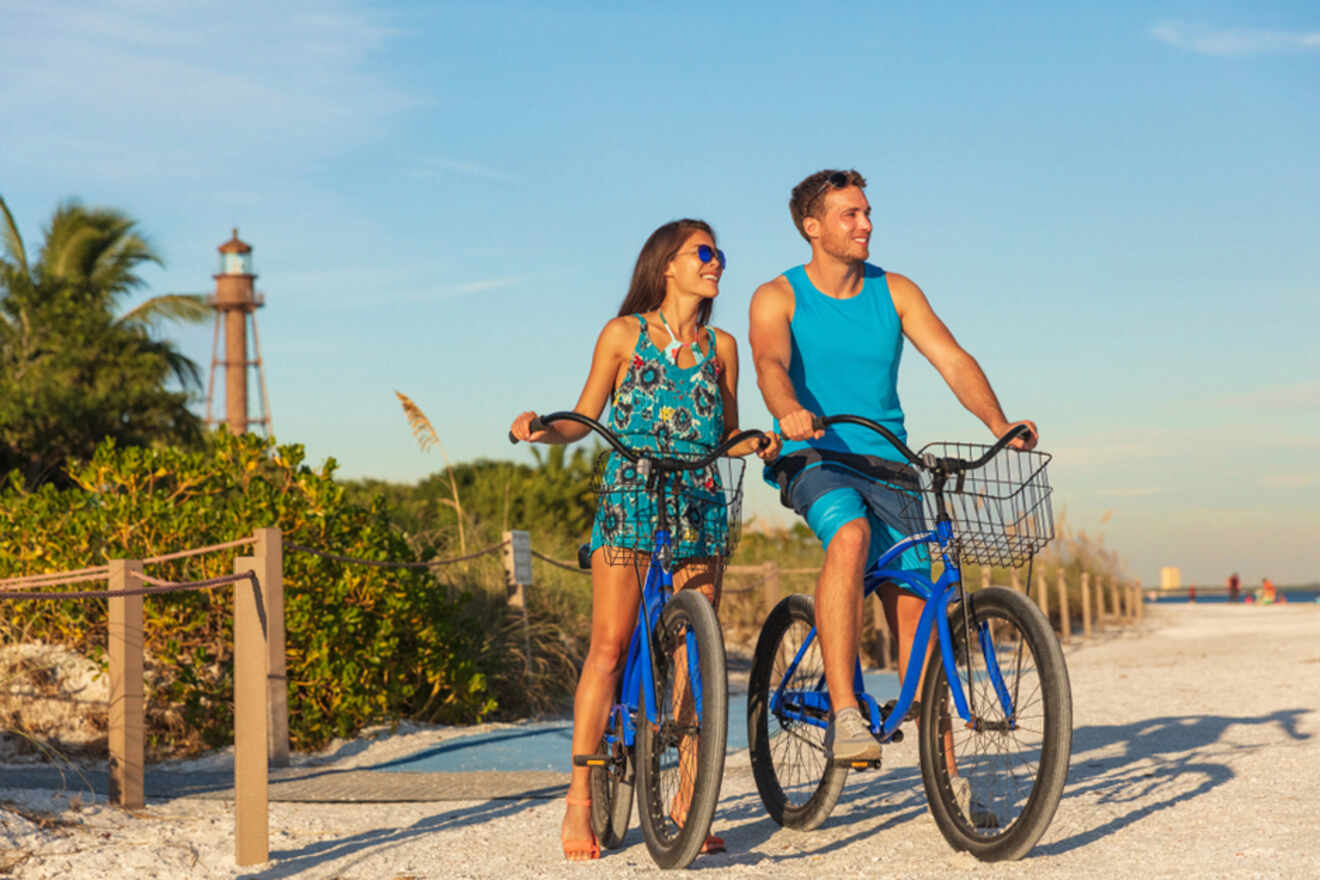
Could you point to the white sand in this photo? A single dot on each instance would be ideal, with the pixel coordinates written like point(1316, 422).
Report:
point(1196, 754)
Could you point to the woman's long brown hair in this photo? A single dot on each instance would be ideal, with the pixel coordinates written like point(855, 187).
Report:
point(647, 290)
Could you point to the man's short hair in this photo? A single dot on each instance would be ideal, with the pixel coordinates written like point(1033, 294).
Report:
point(809, 196)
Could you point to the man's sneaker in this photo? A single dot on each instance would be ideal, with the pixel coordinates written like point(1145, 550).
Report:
point(850, 739)
point(976, 813)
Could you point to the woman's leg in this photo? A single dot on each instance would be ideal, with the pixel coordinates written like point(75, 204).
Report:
point(615, 595)
point(707, 577)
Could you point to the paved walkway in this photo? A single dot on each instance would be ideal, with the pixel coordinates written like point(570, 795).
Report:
point(313, 784)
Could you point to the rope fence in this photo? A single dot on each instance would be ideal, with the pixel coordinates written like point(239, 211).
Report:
point(573, 567)
point(378, 563)
point(161, 587)
point(261, 709)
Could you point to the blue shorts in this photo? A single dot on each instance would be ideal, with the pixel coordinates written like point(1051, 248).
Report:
point(838, 506)
point(830, 489)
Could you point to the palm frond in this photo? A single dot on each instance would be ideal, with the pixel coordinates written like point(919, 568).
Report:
point(418, 422)
point(189, 307)
point(14, 249)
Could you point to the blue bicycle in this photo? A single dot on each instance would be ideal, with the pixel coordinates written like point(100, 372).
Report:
point(668, 726)
point(994, 781)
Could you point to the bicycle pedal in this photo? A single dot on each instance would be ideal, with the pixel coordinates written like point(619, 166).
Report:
point(592, 760)
point(856, 765)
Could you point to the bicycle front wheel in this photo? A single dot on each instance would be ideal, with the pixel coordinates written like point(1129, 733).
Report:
point(798, 786)
point(680, 760)
point(993, 784)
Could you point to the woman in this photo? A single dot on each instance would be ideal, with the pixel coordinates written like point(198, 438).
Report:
point(671, 379)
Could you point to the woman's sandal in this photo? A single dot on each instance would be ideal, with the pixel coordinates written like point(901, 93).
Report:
point(713, 844)
point(580, 850)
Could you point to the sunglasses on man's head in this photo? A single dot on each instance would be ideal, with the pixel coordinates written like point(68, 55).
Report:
point(706, 253)
point(837, 180)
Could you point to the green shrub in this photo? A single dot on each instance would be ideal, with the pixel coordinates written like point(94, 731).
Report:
point(365, 644)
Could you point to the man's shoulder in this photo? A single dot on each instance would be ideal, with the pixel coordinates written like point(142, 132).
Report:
point(776, 291)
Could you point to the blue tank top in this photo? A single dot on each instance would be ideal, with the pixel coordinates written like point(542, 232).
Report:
point(845, 360)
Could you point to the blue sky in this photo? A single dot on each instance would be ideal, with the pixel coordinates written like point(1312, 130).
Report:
point(1115, 210)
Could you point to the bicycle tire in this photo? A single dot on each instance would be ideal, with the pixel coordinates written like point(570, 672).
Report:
point(798, 786)
point(612, 794)
point(663, 772)
point(1012, 770)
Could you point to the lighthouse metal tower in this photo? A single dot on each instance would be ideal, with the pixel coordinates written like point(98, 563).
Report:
point(235, 302)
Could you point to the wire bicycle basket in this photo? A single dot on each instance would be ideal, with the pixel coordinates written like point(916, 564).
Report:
point(703, 507)
point(1001, 511)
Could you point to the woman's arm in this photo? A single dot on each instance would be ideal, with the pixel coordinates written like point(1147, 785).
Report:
point(613, 348)
point(726, 351)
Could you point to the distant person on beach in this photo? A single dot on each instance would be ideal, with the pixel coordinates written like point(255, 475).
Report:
point(826, 338)
point(671, 380)
point(1234, 587)
point(1267, 591)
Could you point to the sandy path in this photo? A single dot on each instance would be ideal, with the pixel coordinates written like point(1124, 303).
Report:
point(1196, 754)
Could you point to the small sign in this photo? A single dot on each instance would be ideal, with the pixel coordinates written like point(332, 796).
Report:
point(519, 552)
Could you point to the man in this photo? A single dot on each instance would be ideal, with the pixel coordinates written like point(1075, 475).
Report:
point(826, 338)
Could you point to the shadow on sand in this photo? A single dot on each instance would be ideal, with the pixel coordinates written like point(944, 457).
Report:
point(1163, 762)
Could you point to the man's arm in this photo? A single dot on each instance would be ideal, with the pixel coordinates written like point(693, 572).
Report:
point(958, 368)
point(772, 352)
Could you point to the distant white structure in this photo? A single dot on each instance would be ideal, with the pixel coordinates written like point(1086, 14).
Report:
point(1170, 577)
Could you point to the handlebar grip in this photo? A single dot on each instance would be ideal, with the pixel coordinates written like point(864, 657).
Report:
point(536, 425)
point(817, 422)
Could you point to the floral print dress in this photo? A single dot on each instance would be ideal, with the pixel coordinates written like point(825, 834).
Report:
point(673, 410)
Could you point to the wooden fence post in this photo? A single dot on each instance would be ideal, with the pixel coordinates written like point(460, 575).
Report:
point(985, 577)
point(769, 586)
point(1065, 624)
point(1139, 602)
point(517, 577)
point(270, 571)
point(1086, 604)
point(1014, 581)
point(1043, 595)
point(127, 703)
point(251, 702)
point(1114, 611)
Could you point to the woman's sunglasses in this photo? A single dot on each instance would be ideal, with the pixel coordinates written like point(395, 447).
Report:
point(706, 253)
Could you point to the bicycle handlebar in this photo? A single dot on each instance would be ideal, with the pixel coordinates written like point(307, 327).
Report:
point(949, 465)
point(540, 423)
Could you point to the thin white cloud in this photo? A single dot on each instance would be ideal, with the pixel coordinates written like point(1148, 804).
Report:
point(1229, 42)
point(131, 87)
point(1293, 395)
point(488, 284)
point(1290, 481)
point(439, 166)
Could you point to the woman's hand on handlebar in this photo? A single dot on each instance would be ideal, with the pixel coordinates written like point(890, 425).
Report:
point(522, 429)
point(768, 452)
point(1023, 441)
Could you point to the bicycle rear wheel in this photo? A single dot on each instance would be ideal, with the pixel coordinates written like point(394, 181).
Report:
point(993, 785)
point(612, 793)
point(680, 761)
point(798, 786)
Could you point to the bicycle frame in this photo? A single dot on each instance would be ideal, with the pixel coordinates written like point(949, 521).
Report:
point(813, 707)
point(638, 672)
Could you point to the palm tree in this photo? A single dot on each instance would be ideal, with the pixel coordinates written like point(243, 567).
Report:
point(71, 367)
point(91, 256)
